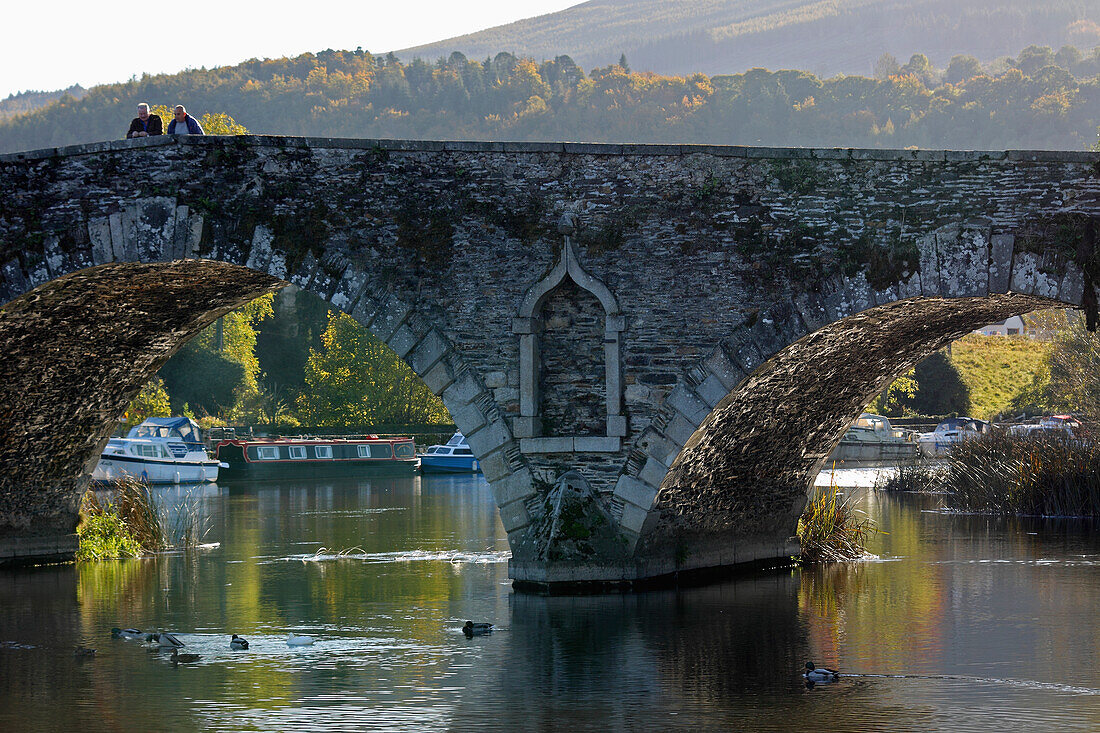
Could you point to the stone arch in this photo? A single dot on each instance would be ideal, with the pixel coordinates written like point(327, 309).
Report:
point(527, 326)
point(138, 271)
point(718, 478)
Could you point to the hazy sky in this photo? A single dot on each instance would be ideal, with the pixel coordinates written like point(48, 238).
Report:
point(47, 44)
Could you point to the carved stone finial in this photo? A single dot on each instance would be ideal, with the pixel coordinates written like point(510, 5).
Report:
point(567, 224)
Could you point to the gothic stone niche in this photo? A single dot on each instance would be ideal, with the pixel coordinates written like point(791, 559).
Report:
point(559, 313)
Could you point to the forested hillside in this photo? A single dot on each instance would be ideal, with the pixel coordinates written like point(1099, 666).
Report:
point(823, 36)
point(17, 104)
point(1039, 99)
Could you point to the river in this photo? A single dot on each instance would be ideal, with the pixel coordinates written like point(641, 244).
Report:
point(962, 623)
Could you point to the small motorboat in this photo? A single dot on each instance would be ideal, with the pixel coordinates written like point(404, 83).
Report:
point(454, 457)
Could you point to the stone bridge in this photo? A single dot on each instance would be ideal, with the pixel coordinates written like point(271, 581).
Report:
point(650, 348)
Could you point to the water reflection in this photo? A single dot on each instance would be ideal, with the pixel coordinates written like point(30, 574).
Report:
point(991, 619)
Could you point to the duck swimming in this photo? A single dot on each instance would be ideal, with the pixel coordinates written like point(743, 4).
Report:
point(127, 633)
point(83, 651)
point(820, 674)
point(292, 640)
point(177, 657)
point(164, 640)
point(471, 629)
point(237, 643)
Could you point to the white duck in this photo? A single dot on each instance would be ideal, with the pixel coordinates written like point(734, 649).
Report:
point(294, 640)
point(820, 674)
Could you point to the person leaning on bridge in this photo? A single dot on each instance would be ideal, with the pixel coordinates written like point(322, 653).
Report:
point(184, 124)
point(144, 124)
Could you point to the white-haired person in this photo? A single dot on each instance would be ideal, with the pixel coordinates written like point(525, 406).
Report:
point(145, 124)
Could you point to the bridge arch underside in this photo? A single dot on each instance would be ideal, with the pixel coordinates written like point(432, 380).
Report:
point(77, 351)
point(734, 493)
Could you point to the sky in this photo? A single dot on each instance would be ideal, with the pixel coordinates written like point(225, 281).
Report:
point(51, 44)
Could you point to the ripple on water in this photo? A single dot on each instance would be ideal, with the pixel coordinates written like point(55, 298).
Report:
point(487, 557)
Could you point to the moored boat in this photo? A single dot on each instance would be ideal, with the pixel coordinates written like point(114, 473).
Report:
point(951, 431)
point(454, 457)
point(161, 450)
point(316, 457)
point(871, 439)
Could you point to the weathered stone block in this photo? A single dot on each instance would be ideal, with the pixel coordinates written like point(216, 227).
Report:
point(592, 444)
point(635, 492)
point(688, 404)
point(464, 389)
point(496, 379)
point(468, 419)
point(427, 352)
point(633, 518)
point(514, 516)
point(616, 426)
point(494, 466)
point(489, 438)
point(654, 472)
point(712, 391)
point(546, 445)
point(526, 427)
point(402, 341)
point(439, 377)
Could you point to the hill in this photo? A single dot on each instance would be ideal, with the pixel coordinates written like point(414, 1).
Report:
point(17, 104)
point(823, 36)
point(1039, 99)
point(996, 369)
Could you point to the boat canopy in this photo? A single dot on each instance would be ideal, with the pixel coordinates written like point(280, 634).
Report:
point(182, 428)
point(457, 439)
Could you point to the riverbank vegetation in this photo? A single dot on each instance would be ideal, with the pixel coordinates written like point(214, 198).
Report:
point(1041, 99)
point(831, 528)
point(1000, 473)
point(1037, 475)
point(286, 360)
point(125, 520)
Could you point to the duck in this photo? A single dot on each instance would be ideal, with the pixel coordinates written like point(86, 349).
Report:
point(293, 640)
point(471, 629)
point(128, 633)
point(164, 640)
point(83, 651)
point(820, 674)
point(237, 643)
point(177, 657)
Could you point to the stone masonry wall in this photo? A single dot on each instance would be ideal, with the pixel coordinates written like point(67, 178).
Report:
point(719, 259)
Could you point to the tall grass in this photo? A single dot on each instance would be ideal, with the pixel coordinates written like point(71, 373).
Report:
point(832, 529)
point(915, 475)
point(1036, 475)
point(128, 522)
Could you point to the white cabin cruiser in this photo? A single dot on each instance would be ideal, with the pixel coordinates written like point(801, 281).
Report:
point(454, 457)
point(162, 450)
point(951, 431)
point(871, 439)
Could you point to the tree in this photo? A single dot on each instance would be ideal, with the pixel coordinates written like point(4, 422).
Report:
point(961, 68)
point(886, 66)
point(213, 123)
point(623, 64)
point(893, 402)
point(151, 401)
point(1074, 366)
point(356, 380)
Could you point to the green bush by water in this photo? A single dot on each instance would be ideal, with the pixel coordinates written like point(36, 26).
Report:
point(128, 523)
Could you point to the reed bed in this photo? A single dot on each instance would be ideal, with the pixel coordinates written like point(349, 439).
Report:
point(125, 521)
point(1042, 475)
point(913, 475)
point(831, 529)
